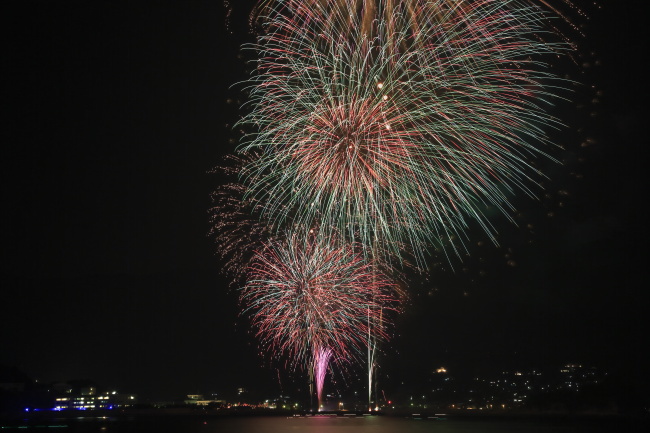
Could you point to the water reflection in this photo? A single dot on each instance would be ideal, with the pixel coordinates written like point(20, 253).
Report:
point(378, 425)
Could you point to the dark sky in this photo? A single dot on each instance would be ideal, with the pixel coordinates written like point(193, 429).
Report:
point(114, 113)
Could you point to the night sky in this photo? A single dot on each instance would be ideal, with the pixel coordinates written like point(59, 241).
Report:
point(115, 112)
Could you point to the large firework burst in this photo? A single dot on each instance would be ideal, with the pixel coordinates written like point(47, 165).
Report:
point(398, 137)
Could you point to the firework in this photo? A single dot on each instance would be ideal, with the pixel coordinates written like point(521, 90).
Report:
point(310, 300)
point(235, 222)
point(341, 14)
point(322, 358)
point(398, 136)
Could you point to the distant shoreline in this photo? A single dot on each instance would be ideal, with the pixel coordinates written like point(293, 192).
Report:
point(226, 413)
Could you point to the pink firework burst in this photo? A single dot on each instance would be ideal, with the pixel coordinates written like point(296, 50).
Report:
point(311, 299)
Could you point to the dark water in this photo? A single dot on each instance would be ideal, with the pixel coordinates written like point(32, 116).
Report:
point(350, 424)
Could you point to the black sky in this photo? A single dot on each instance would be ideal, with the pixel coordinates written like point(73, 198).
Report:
point(114, 112)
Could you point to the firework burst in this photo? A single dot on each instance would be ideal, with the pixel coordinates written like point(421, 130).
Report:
point(398, 137)
point(308, 298)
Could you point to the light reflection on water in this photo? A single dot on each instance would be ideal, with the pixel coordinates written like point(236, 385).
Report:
point(373, 425)
point(198, 423)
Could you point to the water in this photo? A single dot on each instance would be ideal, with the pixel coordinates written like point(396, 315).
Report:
point(349, 424)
